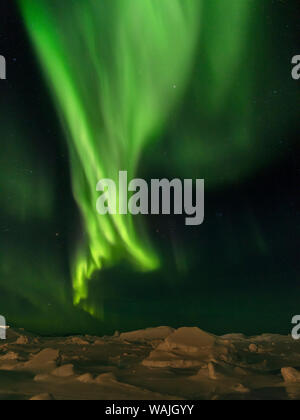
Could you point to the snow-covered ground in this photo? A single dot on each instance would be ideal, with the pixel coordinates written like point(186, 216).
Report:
point(156, 364)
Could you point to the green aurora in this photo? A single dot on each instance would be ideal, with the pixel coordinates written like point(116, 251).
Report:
point(112, 100)
point(129, 79)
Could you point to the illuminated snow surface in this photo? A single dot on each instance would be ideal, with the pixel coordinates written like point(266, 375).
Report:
point(153, 364)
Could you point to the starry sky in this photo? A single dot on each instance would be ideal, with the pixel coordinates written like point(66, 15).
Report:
point(231, 118)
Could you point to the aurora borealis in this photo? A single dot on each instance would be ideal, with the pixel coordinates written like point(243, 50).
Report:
point(112, 100)
point(159, 88)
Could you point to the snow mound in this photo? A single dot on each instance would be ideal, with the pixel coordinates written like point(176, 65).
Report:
point(184, 348)
point(188, 340)
point(148, 334)
point(290, 375)
point(79, 341)
point(43, 397)
point(45, 360)
point(64, 371)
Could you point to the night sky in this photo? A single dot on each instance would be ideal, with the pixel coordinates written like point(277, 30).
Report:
point(235, 123)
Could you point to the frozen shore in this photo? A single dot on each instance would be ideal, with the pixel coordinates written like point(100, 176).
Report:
point(153, 364)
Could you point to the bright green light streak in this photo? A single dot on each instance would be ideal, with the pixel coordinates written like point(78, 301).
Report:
point(116, 69)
